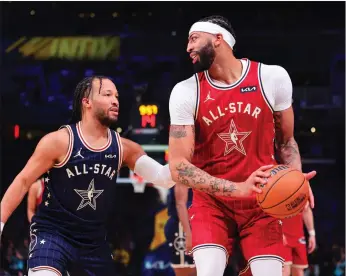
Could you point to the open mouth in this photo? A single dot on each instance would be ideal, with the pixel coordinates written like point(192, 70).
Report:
point(194, 58)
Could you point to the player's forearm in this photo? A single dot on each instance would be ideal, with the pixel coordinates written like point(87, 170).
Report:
point(189, 175)
point(12, 198)
point(183, 217)
point(153, 172)
point(288, 152)
point(308, 219)
point(30, 214)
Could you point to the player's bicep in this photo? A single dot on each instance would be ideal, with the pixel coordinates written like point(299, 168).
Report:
point(182, 106)
point(48, 152)
point(181, 142)
point(284, 125)
point(132, 152)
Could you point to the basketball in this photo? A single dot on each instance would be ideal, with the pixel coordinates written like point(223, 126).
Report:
point(285, 194)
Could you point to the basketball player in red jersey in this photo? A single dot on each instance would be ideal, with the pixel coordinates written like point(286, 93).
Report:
point(295, 253)
point(34, 197)
point(222, 129)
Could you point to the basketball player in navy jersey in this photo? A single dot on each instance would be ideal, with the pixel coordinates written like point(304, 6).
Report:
point(178, 231)
point(80, 162)
point(224, 121)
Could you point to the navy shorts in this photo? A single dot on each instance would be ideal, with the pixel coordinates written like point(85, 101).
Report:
point(51, 251)
point(176, 240)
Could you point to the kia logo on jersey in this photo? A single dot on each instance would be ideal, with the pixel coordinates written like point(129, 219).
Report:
point(248, 89)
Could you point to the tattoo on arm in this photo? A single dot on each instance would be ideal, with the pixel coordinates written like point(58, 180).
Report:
point(196, 178)
point(192, 150)
point(287, 148)
point(180, 132)
point(191, 176)
point(177, 131)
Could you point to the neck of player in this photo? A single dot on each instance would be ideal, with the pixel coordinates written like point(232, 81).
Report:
point(226, 70)
point(93, 129)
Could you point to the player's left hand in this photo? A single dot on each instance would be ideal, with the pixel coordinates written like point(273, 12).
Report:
point(309, 176)
point(312, 244)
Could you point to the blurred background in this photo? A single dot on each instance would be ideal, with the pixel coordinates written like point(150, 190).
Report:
point(48, 47)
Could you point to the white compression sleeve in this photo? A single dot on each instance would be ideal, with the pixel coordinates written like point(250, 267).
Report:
point(152, 171)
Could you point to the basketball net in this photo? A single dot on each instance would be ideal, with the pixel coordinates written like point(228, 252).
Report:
point(138, 183)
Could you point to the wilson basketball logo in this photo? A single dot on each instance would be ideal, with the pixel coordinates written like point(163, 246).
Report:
point(278, 169)
point(296, 202)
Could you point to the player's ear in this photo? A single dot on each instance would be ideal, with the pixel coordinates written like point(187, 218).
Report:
point(217, 41)
point(86, 102)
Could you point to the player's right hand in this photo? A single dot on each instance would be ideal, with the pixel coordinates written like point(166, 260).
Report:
point(309, 176)
point(259, 176)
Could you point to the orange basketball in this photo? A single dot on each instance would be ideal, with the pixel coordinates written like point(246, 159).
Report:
point(285, 194)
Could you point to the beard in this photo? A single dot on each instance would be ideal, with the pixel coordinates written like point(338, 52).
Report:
point(105, 119)
point(206, 58)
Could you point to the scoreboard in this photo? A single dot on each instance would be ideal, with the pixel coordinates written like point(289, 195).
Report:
point(148, 115)
point(146, 121)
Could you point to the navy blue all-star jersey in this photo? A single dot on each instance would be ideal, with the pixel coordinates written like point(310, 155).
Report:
point(78, 197)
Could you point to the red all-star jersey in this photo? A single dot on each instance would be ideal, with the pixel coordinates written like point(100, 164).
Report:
point(234, 127)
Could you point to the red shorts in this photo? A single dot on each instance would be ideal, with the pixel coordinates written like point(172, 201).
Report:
point(295, 252)
point(217, 223)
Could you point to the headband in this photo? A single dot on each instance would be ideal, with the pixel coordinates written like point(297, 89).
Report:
point(212, 28)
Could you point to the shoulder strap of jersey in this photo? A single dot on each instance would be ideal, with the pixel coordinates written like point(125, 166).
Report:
point(198, 77)
point(120, 148)
point(70, 147)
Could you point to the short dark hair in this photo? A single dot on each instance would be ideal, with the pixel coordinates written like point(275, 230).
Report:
point(221, 21)
point(83, 90)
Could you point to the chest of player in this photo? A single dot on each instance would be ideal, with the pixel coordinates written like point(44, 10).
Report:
point(84, 181)
point(103, 165)
point(243, 104)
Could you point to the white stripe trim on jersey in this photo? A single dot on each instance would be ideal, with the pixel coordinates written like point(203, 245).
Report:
point(198, 97)
point(233, 85)
point(261, 88)
point(45, 267)
point(211, 245)
point(300, 266)
point(260, 257)
point(85, 143)
point(266, 257)
point(121, 153)
point(69, 150)
point(243, 271)
point(183, 265)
